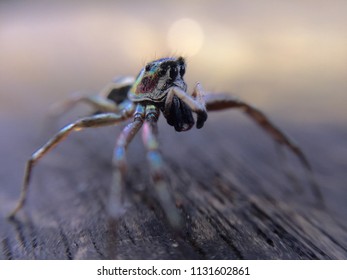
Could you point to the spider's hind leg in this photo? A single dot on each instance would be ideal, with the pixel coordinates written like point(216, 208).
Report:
point(223, 101)
point(109, 99)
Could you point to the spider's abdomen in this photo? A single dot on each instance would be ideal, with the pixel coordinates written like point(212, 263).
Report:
point(118, 95)
point(179, 115)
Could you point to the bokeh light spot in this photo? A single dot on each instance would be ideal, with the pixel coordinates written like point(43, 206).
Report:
point(185, 37)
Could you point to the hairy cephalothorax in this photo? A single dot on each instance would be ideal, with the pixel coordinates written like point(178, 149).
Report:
point(159, 87)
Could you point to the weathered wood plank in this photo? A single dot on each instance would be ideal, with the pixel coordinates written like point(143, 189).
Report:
point(228, 183)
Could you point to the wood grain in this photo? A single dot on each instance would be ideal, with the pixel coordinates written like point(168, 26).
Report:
point(228, 181)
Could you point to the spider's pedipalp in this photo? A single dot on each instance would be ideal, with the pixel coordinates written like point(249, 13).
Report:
point(177, 115)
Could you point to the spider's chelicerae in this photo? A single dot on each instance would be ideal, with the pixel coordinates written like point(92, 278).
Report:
point(159, 87)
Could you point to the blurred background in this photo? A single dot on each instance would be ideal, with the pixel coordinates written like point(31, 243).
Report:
point(286, 57)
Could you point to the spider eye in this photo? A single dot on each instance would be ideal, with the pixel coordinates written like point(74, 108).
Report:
point(182, 70)
point(162, 72)
point(173, 73)
point(148, 67)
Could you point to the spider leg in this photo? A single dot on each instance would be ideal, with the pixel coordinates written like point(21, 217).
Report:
point(93, 121)
point(216, 102)
point(150, 139)
point(116, 199)
point(195, 102)
point(99, 102)
point(221, 101)
point(117, 83)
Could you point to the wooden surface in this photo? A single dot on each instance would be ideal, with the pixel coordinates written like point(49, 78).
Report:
point(228, 181)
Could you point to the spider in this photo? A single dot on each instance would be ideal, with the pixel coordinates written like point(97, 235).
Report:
point(158, 88)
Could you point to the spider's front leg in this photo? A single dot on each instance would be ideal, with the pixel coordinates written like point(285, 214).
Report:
point(150, 139)
point(116, 196)
point(93, 121)
point(223, 101)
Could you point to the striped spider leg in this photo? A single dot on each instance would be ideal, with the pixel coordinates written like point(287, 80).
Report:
point(216, 102)
point(105, 119)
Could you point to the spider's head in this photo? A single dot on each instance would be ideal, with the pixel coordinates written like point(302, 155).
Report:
point(153, 84)
point(157, 77)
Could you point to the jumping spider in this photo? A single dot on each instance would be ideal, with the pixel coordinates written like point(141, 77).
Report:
point(159, 87)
